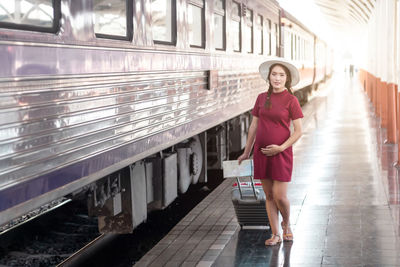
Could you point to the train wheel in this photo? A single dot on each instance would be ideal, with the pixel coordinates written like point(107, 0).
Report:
point(196, 159)
point(185, 178)
point(190, 162)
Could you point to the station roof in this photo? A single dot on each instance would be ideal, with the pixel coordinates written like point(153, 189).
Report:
point(344, 13)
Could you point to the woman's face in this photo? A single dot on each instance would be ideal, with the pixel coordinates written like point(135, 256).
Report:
point(277, 77)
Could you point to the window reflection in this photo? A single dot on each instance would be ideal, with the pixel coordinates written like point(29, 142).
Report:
point(196, 22)
point(298, 48)
point(235, 9)
point(287, 45)
point(268, 37)
point(259, 35)
point(219, 25)
point(219, 32)
point(110, 17)
point(219, 4)
point(274, 40)
point(162, 15)
point(24, 12)
point(235, 26)
point(291, 46)
point(249, 30)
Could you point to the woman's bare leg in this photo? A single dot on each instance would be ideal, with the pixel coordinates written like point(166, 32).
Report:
point(279, 191)
point(272, 209)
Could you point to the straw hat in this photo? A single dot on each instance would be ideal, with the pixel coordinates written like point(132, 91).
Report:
point(294, 72)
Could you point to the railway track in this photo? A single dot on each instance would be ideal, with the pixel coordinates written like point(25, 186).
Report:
point(49, 237)
point(66, 236)
point(79, 257)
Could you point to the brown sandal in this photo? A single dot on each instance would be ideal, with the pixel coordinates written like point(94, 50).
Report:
point(272, 241)
point(287, 232)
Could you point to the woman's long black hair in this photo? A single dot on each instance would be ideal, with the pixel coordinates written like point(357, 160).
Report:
point(288, 83)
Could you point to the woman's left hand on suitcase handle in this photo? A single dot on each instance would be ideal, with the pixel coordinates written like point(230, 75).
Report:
point(271, 150)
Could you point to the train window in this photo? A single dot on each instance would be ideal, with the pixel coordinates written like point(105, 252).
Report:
point(259, 35)
point(291, 46)
point(219, 25)
point(276, 38)
point(219, 4)
point(301, 48)
point(298, 48)
point(196, 23)
point(268, 37)
point(163, 25)
point(305, 50)
point(286, 42)
point(40, 16)
point(249, 30)
point(112, 19)
point(235, 27)
point(273, 41)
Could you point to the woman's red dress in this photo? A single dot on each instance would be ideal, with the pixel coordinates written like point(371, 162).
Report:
point(274, 129)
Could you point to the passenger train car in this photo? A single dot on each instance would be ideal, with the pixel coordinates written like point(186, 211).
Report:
point(128, 102)
point(311, 55)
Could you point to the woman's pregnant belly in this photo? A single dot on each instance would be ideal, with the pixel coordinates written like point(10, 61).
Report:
point(271, 137)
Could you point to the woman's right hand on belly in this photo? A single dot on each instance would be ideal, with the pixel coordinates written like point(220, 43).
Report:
point(271, 150)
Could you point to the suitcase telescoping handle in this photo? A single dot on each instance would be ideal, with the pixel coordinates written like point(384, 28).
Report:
point(252, 185)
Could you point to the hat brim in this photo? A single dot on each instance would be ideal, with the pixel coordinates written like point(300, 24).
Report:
point(265, 66)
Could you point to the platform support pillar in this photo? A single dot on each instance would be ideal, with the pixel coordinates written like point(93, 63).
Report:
point(391, 130)
point(375, 91)
point(398, 121)
point(369, 87)
point(378, 97)
point(384, 104)
point(363, 78)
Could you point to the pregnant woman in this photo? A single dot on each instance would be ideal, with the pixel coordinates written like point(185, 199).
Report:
point(270, 133)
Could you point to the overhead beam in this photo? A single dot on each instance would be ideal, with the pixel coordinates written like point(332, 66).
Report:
point(355, 17)
point(361, 9)
point(366, 6)
point(352, 8)
point(323, 5)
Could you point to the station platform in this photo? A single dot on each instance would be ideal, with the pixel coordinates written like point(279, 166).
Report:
point(344, 196)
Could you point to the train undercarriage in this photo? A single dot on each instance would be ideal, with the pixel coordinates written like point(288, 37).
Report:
point(123, 199)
